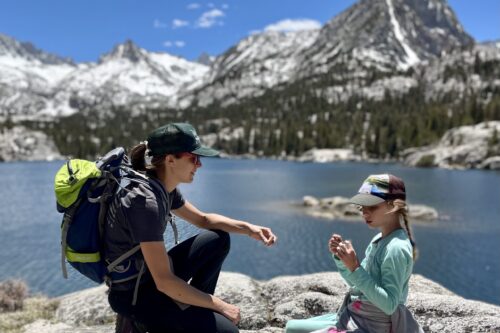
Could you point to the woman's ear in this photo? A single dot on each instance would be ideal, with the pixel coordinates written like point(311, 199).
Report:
point(169, 159)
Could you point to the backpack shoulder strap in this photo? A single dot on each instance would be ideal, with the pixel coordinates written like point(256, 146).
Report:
point(124, 256)
point(167, 207)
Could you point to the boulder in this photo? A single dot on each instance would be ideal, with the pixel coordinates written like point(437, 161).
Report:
point(340, 208)
point(266, 306)
point(310, 201)
point(476, 146)
point(492, 163)
point(21, 144)
point(328, 155)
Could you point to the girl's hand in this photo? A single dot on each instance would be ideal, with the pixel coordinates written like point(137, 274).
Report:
point(346, 253)
point(263, 234)
point(333, 243)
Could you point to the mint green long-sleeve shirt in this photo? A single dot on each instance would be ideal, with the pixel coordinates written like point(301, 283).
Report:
point(382, 278)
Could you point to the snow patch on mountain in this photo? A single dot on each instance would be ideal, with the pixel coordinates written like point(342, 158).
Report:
point(128, 76)
point(411, 56)
point(259, 62)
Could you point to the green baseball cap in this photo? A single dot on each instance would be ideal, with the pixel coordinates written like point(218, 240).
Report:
point(177, 138)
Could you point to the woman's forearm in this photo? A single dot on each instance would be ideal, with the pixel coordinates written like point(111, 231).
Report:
point(220, 222)
point(181, 291)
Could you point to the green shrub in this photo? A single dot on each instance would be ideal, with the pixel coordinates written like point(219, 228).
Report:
point(12, 295)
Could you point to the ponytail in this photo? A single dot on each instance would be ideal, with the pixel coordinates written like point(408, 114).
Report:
point(401, 207)
point(137, 157)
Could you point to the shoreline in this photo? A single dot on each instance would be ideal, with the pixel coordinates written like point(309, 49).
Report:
point(296, 160)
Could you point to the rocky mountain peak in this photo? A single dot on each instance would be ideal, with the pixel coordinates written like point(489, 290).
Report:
point(394, 34)
point(128, 50)
point(205, 59)
point(11, 47)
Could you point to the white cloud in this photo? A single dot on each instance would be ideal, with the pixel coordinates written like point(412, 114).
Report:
point(194, 5)
point(177, 43)
point(210, 18)
point(180, 43)
point(293, 25)
point(177, 23)
point(159, 24)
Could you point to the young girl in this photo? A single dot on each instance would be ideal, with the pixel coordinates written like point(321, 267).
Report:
point(175, 290)
point(379, 284)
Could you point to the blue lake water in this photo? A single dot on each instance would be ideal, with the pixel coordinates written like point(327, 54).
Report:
point(460, 252)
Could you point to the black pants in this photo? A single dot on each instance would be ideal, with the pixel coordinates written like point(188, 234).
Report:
point(198, 258)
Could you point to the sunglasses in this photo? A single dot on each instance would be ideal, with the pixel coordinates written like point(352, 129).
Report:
point(195, 159)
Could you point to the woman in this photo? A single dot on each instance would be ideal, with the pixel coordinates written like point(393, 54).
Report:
point(379, 285)
point(164, 300)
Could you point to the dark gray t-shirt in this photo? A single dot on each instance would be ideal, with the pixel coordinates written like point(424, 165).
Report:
point(138, 215)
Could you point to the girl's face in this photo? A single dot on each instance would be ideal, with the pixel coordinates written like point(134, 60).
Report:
point(378, 216)
point(185, 167)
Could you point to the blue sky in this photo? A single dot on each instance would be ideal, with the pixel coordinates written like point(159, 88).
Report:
point(84, 30)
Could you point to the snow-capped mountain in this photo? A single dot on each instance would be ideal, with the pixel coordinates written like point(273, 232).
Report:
point(14, 49)
point(127, 76)
point(257, 63)
point(25, 67)
point(387, 36)
point(36, 83)
point(27, 76)
point(366, 50)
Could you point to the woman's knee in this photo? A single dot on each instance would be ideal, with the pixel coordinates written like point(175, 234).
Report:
point(223, 240)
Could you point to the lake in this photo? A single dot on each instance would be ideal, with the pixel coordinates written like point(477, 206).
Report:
point(458, 252)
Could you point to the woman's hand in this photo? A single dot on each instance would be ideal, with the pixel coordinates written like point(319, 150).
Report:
point(229, 311)
point(263, 234)
point(346, 253)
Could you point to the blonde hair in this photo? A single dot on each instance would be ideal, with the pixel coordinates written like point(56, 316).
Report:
point(400, 207)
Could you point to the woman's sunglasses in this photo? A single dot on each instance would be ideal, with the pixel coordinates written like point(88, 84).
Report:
point(195, 159)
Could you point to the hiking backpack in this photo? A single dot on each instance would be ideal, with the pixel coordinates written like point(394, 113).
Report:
point(84, 191)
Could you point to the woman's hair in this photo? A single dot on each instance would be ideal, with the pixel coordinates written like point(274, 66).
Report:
point(401, 207)
point(138, 159)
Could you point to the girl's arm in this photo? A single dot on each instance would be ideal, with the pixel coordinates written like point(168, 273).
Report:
point(343, 270)
point(395, 269)
point(203, 220)
point(333, 246)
